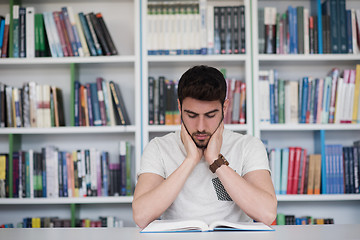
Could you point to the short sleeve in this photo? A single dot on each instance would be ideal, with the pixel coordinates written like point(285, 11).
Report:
point(151, 161)
point(255, 156)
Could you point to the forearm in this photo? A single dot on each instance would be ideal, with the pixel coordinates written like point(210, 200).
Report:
point(150, 205)
point(257, 203)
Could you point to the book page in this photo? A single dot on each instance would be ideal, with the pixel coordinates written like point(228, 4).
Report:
point(176, 226)
point(239, 226)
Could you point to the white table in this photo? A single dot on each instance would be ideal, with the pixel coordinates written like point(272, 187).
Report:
point(305, 232)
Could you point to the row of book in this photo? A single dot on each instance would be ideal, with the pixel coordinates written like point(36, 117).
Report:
point(342, 168)
point(236, 94)
point(56, 34)
point(195, 28)
point(294, 171)
point(334, 27)
point(56, 222)
point(32, 105)
point(52, 173)
point(99, 104)
point(287, 219)
point(163, 108)
point(331, 99)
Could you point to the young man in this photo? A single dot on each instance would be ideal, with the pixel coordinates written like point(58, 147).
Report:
point(204, 171)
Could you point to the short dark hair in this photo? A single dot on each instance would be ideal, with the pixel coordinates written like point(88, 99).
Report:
point(202, 83)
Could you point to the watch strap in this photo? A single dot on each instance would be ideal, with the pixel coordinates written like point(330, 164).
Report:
point(218, 163)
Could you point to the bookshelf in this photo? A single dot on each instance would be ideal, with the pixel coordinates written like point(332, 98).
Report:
point(342, 207)
point(122, 19)
point(172, 67)
point(127, 22)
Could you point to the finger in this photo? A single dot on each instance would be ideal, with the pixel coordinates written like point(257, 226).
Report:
point(221, 128)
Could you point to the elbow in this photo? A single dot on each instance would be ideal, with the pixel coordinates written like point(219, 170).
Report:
point(139, 217)
point(269, 216)
point(139, 221)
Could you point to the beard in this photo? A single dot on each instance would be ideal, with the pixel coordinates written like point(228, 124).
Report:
point(201, 143)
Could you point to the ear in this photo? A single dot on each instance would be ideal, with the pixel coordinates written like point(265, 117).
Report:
point(225, 107)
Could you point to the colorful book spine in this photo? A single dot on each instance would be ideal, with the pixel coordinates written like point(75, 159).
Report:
point(87, 33)
point(70, 31)
point(16, 31)
point(100, 95)
point(95, 105)
point(4, 50)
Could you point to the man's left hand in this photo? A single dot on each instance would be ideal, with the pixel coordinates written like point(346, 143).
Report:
point(212, 150)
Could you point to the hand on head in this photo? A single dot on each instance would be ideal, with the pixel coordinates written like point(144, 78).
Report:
point(193, 152)
point(212, 151)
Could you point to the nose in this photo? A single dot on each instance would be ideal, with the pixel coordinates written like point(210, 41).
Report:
point(201, 125)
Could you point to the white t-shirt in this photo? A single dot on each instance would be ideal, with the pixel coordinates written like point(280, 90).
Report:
point(203, 196)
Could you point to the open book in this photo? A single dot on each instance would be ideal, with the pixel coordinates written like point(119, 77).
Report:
point(200, 226)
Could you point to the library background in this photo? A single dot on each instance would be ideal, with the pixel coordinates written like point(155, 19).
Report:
point(85, 85)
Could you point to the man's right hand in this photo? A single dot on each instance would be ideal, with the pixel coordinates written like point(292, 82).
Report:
point(193, 152)
point(154, 194)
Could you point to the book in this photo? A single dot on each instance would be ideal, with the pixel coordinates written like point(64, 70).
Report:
point(93, 35)
point(108, 104)
point(355, 112)
point(40, 35)
point(119, 104)
point(4, 49)
point(270, 22)
point(16, 30)
point(100, 95)
point(70, 31)
point(61, 33)
point(30, 32)
point(99, 33)
point(200, 226)
point(87, 34)
point(261, 28)
point(50, 34)
point(75, 31)
point(2, 29)
point(95, 104)
point(81, 36)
